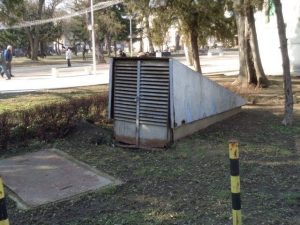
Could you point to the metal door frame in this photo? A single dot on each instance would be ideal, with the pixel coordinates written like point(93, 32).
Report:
point(139, 127)
point(137, 99)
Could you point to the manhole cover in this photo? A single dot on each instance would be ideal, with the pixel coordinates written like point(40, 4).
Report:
point(48, 176)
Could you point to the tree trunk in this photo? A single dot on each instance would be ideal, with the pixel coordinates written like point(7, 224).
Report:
point(251, 70)
point(242, 78)
point(148, 32)
point(33, 35)
point(115, 48)
point(33, 42)
point(195, 50)
point(35, 47)
point(260, 78)
point(288, 112)
point(99, 52)
point(35, 50)
point(43, 48)
point(141, 41)
point(108, 39)
point(188, 51)
point(28, 52)
point(141, 44)
point(57, 47)
point(251, 73)
point(177, 43)
point(30, 38)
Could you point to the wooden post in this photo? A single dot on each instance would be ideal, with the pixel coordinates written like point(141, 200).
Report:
point(235, 182)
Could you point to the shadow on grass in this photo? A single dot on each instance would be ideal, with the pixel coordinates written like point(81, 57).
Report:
point(188, 183)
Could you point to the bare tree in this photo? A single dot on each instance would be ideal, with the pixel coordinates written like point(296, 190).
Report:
point(36, 34)
point(251, 70)
point(143, 16)
point(288, 112)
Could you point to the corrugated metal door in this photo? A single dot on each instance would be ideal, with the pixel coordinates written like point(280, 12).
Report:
point(154, 103)
point(141, 102)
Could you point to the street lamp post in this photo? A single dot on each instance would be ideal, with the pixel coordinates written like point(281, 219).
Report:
point(93, 37)
point(130, 17)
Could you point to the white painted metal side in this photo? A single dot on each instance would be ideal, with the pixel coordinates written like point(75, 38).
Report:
point(111, 61)
point(196, 97)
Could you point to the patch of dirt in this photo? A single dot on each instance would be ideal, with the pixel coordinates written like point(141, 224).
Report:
point(85, 131)
point(189, 183)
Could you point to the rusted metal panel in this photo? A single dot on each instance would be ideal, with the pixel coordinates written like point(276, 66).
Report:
point(152, 143)
point(154, 136)
point(125, 131)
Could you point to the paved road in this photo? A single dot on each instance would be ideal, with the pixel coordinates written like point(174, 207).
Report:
point(45, 77)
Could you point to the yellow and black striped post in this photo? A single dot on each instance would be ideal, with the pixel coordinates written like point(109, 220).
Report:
point(235, 182)
point(3, 211)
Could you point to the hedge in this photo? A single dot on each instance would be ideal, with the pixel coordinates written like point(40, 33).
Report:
point(50, 121)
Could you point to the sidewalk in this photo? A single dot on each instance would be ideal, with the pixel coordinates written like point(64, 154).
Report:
point(44, 77)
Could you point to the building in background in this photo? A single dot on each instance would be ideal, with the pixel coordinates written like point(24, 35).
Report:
point(171, 43)
point(268, 39)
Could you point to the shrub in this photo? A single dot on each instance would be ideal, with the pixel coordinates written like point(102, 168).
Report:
point(20, 130)
point(50, 121)
point(4, 130)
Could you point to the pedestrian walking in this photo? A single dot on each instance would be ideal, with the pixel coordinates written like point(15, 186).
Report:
point(68, 57)
point(84, 51)
point(121, 53)
point(7, 63)
point(2, 62)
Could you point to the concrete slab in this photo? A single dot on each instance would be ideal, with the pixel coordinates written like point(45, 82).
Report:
point(48, 176)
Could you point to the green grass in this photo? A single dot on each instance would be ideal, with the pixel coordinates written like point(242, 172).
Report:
point(223, 194)
point(23, 101)
point(109, 190)
point(159, 171)
point(188, 183)
point(50, 60)
point(285, 129)
point(292, 198)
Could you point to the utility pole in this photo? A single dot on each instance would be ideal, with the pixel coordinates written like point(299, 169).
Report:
point(130, 17)
point(93, 37)
point(130, 24)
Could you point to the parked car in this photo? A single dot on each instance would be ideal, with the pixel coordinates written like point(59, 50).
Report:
point(215, 51)
point(18, 52)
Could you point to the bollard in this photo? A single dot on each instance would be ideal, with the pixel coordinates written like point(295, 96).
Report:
point(235, 182)
point(88, 70)
point(54, 72)
point(3, 211)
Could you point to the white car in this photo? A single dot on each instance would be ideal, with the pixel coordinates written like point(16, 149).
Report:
point(215, 51)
